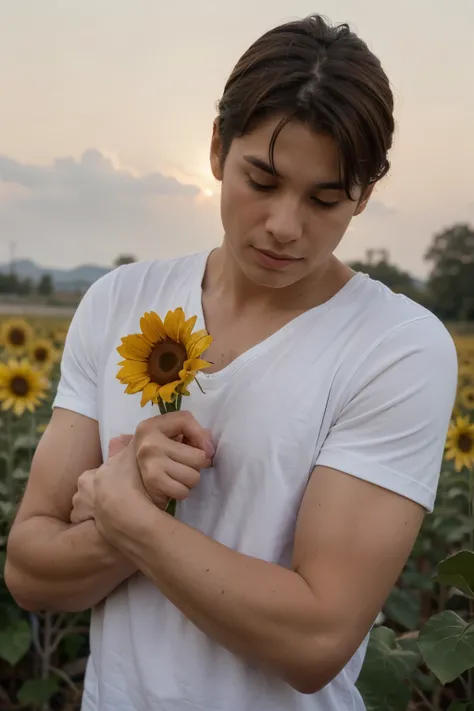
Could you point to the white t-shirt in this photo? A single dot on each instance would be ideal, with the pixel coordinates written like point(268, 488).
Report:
point(363, 383)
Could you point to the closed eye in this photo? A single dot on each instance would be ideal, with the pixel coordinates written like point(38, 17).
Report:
point(262, 187)
point(327, 205)
point(259, 186)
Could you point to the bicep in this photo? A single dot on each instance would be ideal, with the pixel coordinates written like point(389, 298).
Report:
point(69, 446)
point(352, 541)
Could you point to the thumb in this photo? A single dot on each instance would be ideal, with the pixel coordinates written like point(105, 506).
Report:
point(117, 444)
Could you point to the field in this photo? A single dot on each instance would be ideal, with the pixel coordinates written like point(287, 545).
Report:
point(421, 653)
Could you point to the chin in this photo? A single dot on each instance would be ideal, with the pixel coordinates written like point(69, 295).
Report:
point(271, 279)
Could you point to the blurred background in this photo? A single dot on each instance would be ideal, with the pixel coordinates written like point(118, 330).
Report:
point(105, 122)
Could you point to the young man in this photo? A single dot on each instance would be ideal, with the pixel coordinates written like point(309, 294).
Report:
point(303, 471)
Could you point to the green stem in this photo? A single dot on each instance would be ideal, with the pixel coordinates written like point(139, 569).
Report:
point(32, 438)
point(10, 457)
point(162, 407)
point(423, 698)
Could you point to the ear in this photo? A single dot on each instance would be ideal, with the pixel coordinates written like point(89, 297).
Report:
point(364, 199)
point(215, 152)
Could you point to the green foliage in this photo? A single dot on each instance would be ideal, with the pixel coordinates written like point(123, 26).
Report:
point(452, 275)
point(387, 667)
point(37, 692)
point(389, 274)
point(446, 643)
point(15, 641)
point(432, 604)
point(124, 259)
point(46, 285)
point(13, 284)
point(449, 292)
point(35, 649)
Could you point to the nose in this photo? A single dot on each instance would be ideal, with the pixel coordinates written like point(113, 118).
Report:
point(285, 221)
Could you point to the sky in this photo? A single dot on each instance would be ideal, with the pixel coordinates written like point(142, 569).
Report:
point(106, 111)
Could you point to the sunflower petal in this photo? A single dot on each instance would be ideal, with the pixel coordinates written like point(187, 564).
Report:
point(137, 387)
point(187, 330)
point(152, 327)
point(193, 365)
point(169, 390)
point(135, 347)
point(19, 407)
point(134, 379)
point(174, 322)
point(150, 393)
point(199, 347)
point(133, 367)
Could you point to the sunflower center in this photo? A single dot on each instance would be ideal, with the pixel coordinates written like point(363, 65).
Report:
point(19, 385)
point(465, 443)
point(41, 354)
point(16, 337)
point(165, 362)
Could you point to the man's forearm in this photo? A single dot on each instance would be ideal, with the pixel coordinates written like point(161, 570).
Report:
point(58, 566)
point(260, 611)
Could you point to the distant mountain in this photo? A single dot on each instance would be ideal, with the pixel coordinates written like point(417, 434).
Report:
point(79, 278)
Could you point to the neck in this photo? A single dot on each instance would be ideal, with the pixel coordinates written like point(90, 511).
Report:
point(224, 280)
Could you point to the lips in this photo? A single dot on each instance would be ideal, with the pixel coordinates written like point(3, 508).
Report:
point(273, 255)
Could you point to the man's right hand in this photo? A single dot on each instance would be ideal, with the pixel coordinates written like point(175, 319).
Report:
point(171, 451)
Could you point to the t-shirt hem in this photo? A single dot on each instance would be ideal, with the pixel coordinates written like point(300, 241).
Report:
point(75, 405)
point(381, 476)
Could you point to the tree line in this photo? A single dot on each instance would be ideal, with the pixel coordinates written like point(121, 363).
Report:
point(14, 284)
point(449, 289)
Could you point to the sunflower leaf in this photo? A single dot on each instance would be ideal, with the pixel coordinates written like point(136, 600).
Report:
point(458, 571)
point(446, 643)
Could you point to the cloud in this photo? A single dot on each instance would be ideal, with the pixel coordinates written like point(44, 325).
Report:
point(89, 210)
point(376, 208)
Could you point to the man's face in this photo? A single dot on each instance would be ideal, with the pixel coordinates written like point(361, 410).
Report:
point(299, 215)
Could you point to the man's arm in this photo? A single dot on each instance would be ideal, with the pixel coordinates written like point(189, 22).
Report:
point(51, 563)
point(352, 541)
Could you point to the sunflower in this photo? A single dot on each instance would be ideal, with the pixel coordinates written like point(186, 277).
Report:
point(21, 387)
point(466, 397)
point(162, 360)
point(42, 354)
point(466, 373)
point(16, 335)
point(460, 443)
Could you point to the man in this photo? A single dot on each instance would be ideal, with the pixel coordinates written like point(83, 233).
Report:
point(304, 468)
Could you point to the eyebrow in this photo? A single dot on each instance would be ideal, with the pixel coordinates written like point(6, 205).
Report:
point(267, 168)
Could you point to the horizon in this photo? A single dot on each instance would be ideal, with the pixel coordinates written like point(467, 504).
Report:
point(92, 166)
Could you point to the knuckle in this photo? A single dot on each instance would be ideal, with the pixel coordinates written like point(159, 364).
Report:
point(142, 428)
point(147, 447)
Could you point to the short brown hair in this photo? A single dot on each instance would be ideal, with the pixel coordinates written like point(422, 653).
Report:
point(324, 76)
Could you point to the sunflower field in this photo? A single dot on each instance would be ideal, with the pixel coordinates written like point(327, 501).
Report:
point(421, 650)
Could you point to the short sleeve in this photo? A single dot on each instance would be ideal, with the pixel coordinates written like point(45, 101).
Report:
point(77, 387)
point(391, 429)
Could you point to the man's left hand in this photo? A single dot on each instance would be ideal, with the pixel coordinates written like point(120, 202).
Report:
point(83, 502)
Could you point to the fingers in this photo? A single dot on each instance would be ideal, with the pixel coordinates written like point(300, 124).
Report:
point(185, 454)
point(80, 512)
point(171, 480)
point(173, 424)
point(117, 444)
